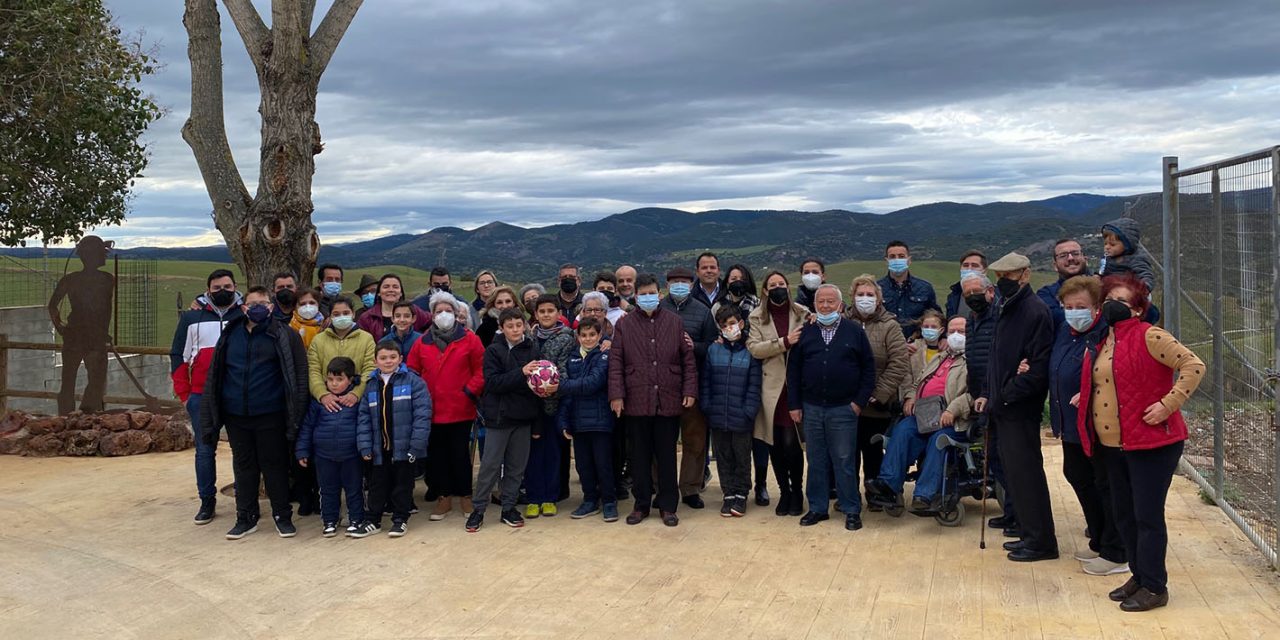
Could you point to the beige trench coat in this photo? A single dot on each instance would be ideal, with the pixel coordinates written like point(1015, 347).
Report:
point(765, 344)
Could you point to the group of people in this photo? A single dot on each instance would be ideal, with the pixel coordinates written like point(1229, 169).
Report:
point(321, 395)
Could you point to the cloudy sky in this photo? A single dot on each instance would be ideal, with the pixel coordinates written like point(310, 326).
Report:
point(540, 111)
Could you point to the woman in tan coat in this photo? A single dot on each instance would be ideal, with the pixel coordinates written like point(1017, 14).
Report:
point(775, 328)
point(892, 367)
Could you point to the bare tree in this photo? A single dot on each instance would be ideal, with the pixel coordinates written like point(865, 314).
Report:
point(271, 231)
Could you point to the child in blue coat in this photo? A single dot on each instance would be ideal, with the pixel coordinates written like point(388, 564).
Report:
point(730, 397)
point(585, 418)
point(395, 422)
point(327, 443)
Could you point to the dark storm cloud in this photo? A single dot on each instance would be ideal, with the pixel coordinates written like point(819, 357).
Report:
point(457, 113)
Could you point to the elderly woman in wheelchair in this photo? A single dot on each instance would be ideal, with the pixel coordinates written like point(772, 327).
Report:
point(937, 413)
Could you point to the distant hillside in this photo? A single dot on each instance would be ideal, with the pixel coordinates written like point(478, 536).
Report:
point(656, 238)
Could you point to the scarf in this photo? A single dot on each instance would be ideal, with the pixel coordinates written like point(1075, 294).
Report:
point(441, 339)
point(543, 334)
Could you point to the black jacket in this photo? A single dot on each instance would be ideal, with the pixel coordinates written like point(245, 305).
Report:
point(508, 401)
point(698, 323)
point(979, 328)
point(292, 359)
point(1024, 330)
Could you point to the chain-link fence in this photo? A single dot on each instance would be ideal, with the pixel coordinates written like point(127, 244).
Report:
point(31, 282)
point(1223, 222)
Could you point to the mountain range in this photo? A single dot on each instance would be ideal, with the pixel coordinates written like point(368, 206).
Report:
point(656, 238)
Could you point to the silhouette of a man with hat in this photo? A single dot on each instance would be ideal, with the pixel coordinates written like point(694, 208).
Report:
point(85, 333)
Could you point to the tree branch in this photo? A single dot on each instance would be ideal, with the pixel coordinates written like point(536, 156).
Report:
point(308, 15)
point(205, 130)
point(325, 40)
point(252, 30)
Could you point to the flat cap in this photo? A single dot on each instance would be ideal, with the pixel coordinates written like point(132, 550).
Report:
point(680, 273)
point(1011, 262)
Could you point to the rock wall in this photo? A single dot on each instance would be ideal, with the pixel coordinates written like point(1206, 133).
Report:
point(120, 433)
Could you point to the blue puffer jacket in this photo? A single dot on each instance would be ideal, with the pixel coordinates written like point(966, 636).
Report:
point(405, 341)
point(327, 435)
point(908, 300)
point(584, 394)
point(1064, 375)
point(730, 394)
point(410, 412)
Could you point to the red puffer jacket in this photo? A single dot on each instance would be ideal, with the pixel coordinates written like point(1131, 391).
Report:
point(1140, 382)
point(651, 364)
point(450, 374)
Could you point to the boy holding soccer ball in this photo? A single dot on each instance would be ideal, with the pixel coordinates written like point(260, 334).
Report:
point(510, 410)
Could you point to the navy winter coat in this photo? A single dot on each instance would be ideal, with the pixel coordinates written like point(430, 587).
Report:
point(731, 380)
point(1064, 375)
point(329, 435)
point(829, 375)
point(410, 413)
point(908, 300)
point(584, 394)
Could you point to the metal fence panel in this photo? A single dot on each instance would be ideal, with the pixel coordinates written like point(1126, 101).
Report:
point(1222, 221)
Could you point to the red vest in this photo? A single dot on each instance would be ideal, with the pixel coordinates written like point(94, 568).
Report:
point(1140, 382)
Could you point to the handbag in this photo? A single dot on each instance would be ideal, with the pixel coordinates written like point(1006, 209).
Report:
point(928, 413)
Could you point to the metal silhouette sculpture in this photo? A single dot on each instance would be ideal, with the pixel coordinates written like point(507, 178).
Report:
point(86, 337)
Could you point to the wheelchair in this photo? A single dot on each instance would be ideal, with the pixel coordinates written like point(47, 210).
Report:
point(961, 478)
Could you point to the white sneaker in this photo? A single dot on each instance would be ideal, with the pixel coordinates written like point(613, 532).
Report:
point(1103, 567)
point(1086, 554)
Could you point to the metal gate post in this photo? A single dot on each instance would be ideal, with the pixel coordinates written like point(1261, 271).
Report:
point(1219, 379)
point(1172, 247)
point(1275, 343)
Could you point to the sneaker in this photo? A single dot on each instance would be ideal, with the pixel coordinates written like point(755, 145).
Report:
point(206, 512)
point(610, 512)
point(242, 528)
point(532, 511)
point(725, 510)
point(364, 529)
point(1103, 567)
point(330, 529)
point(284, 526)
point(443, 506)
point(475, 521)
point(1086, 554)
point(585, 510)
point(549, 509)
point(413, 508)
point(738, 507)
point(511, 518)
point(397, 529)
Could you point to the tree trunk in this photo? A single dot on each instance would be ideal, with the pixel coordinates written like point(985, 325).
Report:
point(272, 232)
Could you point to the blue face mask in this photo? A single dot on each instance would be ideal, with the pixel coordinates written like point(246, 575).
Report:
point(969, 273)
point(647, 301)
point(258, 313)
point(1079, 319)
point(332, 288)
point(930, 334)
point(368, 299)
point(680, 290)
point(897, 266)
point(828, 319)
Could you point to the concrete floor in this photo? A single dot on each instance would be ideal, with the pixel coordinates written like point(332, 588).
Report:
point(105, 548)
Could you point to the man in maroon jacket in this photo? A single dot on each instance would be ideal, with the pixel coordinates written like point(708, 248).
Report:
point(652, 379)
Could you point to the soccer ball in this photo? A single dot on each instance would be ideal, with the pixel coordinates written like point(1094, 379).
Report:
point(544, 376)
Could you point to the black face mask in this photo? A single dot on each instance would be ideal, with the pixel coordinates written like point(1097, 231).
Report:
point(977, 302)
point(222, 298)
point(568, 285)
point(737, 288)
point(442, 287)
point(612, 297)
point(779, 295)
point(286, 298)
point(1115, 312)
point(1008, 288)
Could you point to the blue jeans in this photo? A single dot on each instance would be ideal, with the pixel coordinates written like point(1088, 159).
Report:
point(831, 438)
point(906, 444)
point(337, 477)
point(206, 466)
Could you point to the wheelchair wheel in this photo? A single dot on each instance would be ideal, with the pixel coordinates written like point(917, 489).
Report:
point(895, 510)
point(952, 518)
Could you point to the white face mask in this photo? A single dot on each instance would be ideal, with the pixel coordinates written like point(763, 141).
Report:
point(811, 281)
point(865, 304)
point(308, 311)
point(444, 320)
point(955, 342)
point(732, 334)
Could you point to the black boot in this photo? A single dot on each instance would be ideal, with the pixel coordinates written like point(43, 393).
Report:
point(207, 510)
point(762, 495)
point(797, 502)
point(784, 500)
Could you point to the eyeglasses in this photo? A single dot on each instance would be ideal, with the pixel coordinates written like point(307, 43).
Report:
point(593, 312)
point(1069, 254)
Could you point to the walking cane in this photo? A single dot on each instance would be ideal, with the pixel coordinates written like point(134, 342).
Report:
point(986, 458)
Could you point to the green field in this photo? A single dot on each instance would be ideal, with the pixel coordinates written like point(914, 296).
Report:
point(178, 282)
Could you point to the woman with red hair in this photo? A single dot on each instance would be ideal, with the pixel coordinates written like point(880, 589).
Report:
point(1129, 415)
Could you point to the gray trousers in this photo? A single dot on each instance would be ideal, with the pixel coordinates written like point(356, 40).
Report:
point(506, 453)
point(733, 461)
